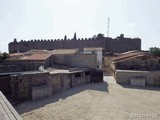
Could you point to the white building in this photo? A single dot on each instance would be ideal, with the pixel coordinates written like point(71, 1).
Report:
point(95, 50)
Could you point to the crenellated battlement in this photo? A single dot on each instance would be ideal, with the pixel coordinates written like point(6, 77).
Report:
point(50, 40)
point(119, 44)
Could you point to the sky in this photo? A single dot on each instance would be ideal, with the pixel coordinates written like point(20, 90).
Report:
point(53, 19)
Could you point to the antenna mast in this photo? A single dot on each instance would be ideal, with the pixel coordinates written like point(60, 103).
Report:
point(108, 27)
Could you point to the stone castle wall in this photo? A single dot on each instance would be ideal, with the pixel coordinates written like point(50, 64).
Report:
point(119, 44)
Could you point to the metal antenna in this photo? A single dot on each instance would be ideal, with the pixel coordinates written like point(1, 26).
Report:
point(108, 27)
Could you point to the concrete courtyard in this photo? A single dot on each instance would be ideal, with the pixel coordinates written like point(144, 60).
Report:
point(96, 101)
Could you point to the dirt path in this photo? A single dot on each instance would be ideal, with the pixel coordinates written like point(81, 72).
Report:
point(98, 101)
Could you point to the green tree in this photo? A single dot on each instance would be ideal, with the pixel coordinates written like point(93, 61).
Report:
point(100, 35)
point(154, 51)
point(3, 56)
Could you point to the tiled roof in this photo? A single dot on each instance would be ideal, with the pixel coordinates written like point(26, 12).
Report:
point(16, 54)
point(93, 49)
point(64, 51)
point(128, 58)
point(37, 51)
point(15, 57)
point(129, 55)
point(37, 57)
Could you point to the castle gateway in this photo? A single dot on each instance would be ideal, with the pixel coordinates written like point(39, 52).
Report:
point(119, 44)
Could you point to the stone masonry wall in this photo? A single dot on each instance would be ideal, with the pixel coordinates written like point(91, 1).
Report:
point(10, 68)
point(138, 63)
point(76, 60)
point(86, 60)
point(21, 85)
point(114, 45)
point(151, 77)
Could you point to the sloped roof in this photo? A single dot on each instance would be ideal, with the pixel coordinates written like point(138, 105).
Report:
point(38, 51)
point(15, 56)
point(64, 51)
point(129, 55)
point(93, 48)
point(37, 57)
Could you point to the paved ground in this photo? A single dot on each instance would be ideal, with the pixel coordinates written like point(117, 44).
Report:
point(96, 101)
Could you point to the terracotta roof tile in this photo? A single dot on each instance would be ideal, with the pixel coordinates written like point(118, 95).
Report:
point(15, 57)
point(64, 51)
point(37, 57)
point(129, 55)
point(37, 51)
point(93, 48)
point(16, 54)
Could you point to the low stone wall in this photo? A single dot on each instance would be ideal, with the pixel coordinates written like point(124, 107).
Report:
point(21, 85)
point(137, 82)
point(41, 91)
point(151, 77)
point(10, 68)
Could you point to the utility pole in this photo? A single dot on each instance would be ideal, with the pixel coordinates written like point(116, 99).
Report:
point(108, 27)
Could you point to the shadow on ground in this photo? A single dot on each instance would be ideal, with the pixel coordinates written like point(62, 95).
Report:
point(155, 88)
point(29, 105)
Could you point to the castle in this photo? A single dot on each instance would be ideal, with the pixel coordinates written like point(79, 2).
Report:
point(119, 44)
